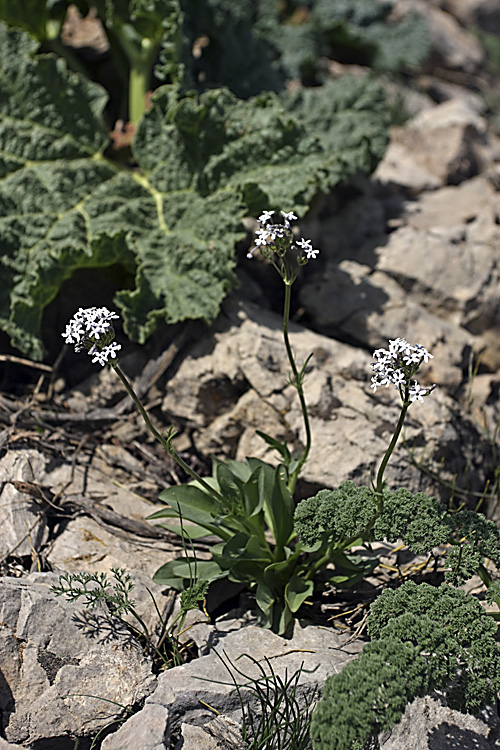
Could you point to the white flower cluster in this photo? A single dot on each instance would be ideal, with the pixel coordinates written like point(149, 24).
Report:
point(397, 365)
point(269, 233)
point(91, 328)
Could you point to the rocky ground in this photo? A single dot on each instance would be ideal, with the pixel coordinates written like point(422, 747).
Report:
point(411, 252)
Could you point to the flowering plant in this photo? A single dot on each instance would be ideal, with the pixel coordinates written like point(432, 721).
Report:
point(275, 548)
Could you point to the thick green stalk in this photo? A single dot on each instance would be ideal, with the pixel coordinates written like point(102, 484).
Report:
point(140, 72)
point(163, 441)
point(135, 55)
point(297, 381)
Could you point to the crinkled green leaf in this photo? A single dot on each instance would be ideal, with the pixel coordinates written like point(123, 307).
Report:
point(349, 119)
point(63, 207)
point(203, 163)
point(256, 45)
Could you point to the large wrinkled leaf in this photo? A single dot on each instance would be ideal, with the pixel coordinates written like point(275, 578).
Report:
point(63, 207)
point(203, 163)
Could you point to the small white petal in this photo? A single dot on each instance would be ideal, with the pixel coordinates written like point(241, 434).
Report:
point(266, 216)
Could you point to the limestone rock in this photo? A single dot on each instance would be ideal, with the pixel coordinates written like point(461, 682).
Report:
point(427, 724)
point(484, 14)
point(350, 426)
point(451, 46)
point(445, 140)
point(370, 307)
point(146, 730)
point(219, 734)
point(184, 692)
point(400, 166)
point(320, 652)
point(58, 681)
point(22, 519)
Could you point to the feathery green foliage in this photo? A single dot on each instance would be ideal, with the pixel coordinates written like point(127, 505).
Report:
point(419, 520)
point(423, 638)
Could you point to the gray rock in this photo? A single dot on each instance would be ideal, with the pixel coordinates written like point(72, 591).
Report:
point(85, 545)
point(434, 278)
point(400, 166)
point(207, 681)
point(445, 140)
point(4, 745)
point(22, 519)
point(146, 730)
point(451, 46)
point(58, 681)
point(91, 545)
point(427, 724)
point(351, 427)
point(219, 734)
point(370, 306)
point(484, 14)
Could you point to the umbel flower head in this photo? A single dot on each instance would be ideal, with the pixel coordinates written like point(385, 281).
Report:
point(278, 238)
point(91, 328)
point(397, 365)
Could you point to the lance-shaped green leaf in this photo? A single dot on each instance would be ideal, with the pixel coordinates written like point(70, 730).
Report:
point(182, 572)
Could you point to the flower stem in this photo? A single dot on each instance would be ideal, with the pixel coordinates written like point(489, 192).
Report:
point(297, 382)
point(165, 442)
point(379, 495)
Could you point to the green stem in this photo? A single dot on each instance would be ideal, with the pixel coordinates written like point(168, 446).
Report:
point(140, 71)
point(145, 633)
point(140, 52)
point(380, 476)
point(163, 441)
point(298, 385)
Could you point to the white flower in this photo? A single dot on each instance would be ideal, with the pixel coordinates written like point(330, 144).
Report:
point(381, 354)
point(398, 377)
point(74, 332)
point(266, 216)
point(106, 353)
point(306, 246)
point(397, 365)
point(288, 217)
point(310, 253)
point(422, 353)
point(417, 393)
point(91, 329)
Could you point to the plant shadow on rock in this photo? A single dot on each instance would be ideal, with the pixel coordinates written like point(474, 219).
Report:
point(448, 737)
